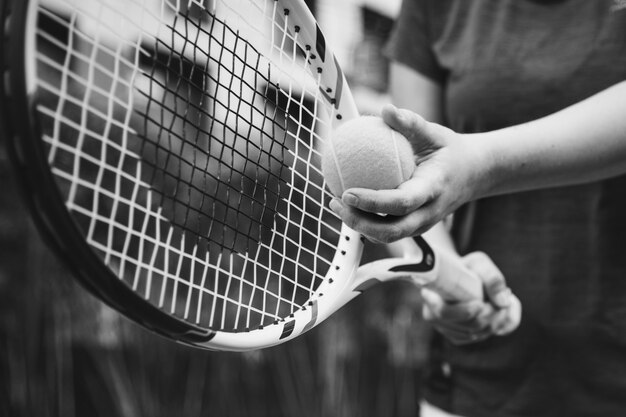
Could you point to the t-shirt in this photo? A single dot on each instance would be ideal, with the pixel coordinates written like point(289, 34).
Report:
point(562, 250)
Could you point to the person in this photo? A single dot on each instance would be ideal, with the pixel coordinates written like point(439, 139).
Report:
point(526, 143)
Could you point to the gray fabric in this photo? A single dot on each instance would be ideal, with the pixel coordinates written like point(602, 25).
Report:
point(563, 250)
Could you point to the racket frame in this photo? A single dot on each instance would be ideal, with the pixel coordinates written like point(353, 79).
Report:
point(22, 132)
point(344, 280)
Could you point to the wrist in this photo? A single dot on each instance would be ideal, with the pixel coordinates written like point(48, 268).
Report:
point(481, 169)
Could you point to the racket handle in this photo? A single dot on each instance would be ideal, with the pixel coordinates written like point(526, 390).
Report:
point(440, 270)
point(454, 281)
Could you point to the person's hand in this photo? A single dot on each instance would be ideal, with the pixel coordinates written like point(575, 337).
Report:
point(470, 322)
point(447, 175)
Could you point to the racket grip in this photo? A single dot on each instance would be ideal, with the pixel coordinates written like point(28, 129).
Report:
point(454, 282)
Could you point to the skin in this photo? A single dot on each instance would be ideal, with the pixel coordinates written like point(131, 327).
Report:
point(582, 143)
point(462, 323)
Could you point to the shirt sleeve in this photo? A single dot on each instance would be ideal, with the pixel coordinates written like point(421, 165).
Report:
point(410, 41)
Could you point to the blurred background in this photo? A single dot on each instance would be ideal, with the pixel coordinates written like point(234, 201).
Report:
point(63, 353)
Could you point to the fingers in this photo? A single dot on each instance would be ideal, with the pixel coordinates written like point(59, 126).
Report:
point(388, 215)
point(384, 229)
point(469, 322)
point(460, 313)
point(377, 228)
point(509, 318)
point(411, 125)
point(461, 323)
point(404, 121)
point(493, 280)
point(508, 307)
point(426, 137)
point(433, 192)
point(396, 202)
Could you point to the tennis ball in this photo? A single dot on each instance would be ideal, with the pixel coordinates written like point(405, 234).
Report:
point(366, 153)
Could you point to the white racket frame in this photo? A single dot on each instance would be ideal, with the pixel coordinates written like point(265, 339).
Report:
point(345, 278)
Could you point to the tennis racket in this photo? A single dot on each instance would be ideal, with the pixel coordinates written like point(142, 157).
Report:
point(170, 151)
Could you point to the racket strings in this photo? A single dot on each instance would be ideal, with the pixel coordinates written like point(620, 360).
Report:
point(190, 158)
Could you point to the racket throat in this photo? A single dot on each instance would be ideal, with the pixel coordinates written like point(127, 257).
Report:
point(417, 264)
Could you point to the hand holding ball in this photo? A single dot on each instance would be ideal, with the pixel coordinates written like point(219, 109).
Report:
point(366, 153)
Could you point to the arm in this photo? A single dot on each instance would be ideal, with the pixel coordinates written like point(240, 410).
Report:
point(461, 322)
point(418, 95)
point(582, 143)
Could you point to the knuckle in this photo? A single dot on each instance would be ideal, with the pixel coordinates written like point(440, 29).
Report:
point(429, 193)
point(404, 205)
point(416, 123)
point(411, 124)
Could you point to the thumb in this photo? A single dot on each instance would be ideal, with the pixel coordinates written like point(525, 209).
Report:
point(412, 126)
point(494, 282)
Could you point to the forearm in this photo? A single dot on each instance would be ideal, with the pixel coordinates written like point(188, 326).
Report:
point(582, 143)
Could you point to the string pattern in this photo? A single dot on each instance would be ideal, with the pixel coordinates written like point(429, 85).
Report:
point(184, 138)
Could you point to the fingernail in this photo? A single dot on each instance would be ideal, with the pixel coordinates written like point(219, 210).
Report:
point(335, 205)
point(350, 199)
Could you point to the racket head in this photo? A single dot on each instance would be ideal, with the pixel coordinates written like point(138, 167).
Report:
point(172, 273)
